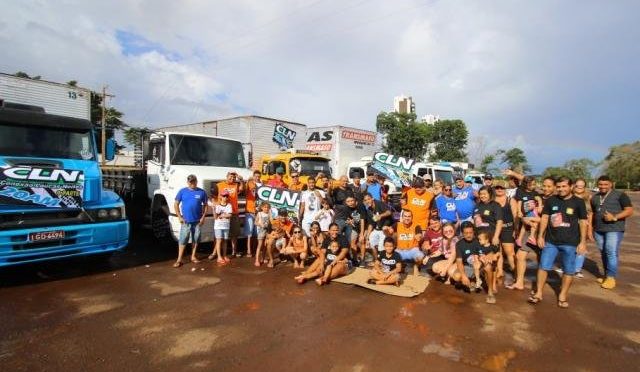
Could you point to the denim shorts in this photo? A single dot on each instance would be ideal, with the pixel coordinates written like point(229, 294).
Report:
point(189, 229)
point(249, 228)
point(222, 233)
point(412, 254)
point(549, 253)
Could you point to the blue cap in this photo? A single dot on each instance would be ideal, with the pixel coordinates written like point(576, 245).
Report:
point(468, 179)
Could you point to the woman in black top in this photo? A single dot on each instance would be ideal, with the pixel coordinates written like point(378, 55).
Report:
point(488, 214)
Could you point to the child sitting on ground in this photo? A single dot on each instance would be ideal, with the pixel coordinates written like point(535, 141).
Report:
point(388, 265)
point(331, 264)
point(486, 257)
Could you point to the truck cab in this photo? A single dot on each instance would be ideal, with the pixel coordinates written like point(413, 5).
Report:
point(441, 172)
point(52, 204)
point(171, 157)
point(306, 163)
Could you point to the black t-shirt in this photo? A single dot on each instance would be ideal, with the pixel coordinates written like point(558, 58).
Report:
point(563, 227)
point(480, 249)
point(330, 256)
point(378, 208)
point(528, 199)
point(613, 203)
point(338, 195)
point(507, 216)
point(464, 249)
point(389, 263)
point(357, 214)
point(490, 214)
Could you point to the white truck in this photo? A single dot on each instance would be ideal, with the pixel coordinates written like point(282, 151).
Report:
point(170, 157)
point(343, 145)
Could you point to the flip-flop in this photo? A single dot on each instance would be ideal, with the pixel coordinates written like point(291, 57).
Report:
point(513, 287)
point(195, 260)
point(212, 257)
point(222, 262)
point(563, 304)
point(533, 300)
point(491, 299)
point(177, 264)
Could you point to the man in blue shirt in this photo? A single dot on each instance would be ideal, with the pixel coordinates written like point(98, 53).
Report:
point(190, 206)
point(464, 199)
point(372, 186)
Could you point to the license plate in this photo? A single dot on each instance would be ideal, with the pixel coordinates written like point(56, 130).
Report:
point(46, 235)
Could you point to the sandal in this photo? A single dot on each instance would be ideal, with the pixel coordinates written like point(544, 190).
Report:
point(513, 287)
point(221, 262)
point(226, 259)
point(212, 257)
point(195, 260)
point(177, 264)
point(491, 299)
point(371, 281)
point(563, 304)
point(533, 300)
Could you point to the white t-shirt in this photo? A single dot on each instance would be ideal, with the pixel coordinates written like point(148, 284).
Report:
point(324, 218)
point(221, 223)
point(311, 203)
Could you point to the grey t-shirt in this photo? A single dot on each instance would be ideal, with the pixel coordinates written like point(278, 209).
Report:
point(614, 203)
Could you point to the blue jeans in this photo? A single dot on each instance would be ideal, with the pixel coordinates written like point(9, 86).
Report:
point(549, 253)
point(189, 229)
point(609, 245)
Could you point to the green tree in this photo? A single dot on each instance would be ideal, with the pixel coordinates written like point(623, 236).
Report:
point(515, 159)
point(134, 136)
point(72, 83)
point(558, 171)
point(581, 168)
point(622, 164)
point(113, 119)
point(404, 135)
point(450, 140)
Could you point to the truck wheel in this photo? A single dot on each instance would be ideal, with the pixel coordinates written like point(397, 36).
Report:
point(160, 225)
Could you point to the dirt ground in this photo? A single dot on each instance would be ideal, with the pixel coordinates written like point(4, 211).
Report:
point(134, 312)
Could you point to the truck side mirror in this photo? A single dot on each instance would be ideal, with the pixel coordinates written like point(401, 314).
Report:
point(110, 149)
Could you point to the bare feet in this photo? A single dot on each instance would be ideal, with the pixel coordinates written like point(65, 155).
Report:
point(177, 264)
point(319, 281)
point(270, 264)
point(195, 260)
point(257, 264)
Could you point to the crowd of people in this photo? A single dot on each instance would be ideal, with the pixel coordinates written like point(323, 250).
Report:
point(465, 234)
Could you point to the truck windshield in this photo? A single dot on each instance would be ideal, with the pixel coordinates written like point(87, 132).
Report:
point(44, 142)
point(311, 167)
point(445, 176)
point(195, 150)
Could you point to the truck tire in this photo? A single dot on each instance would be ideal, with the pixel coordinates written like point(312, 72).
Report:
point(160, 224)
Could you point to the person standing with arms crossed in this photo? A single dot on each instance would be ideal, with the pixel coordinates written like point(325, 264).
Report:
point(190, 206)
point(610, 208)
point(563, 229)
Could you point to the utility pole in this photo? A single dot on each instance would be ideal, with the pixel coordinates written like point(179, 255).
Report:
point(104, 121)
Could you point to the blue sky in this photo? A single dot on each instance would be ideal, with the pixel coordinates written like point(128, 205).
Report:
point(558, 79)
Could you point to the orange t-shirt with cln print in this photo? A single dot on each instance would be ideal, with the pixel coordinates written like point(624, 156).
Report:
point(420, 206)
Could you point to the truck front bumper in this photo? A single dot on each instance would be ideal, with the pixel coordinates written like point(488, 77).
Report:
point(82, 239)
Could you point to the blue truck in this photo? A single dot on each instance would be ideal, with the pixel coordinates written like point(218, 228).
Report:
point(52, 204)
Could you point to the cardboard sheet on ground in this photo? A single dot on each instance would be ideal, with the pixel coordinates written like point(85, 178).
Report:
point(411, 286)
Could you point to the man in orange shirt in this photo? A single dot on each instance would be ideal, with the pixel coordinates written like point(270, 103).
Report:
point(296, 185)
point(249, 216)
point(408, 239)
point(233, 186)
point(420, 203)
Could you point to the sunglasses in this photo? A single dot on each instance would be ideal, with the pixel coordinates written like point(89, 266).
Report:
point(296, 231)
point(295, 176)
point(447, 189)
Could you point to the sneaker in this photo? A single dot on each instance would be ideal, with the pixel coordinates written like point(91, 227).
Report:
point(609, 283)
point(558, 270)
point(579, 275)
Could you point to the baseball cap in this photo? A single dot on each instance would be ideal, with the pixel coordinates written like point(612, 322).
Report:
point(468, 179)
point(488, 176)
point(426, 177)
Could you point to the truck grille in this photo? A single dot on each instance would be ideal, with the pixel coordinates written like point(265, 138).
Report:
point(41, 219)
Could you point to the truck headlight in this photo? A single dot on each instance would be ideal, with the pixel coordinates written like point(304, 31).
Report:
point(107, 214)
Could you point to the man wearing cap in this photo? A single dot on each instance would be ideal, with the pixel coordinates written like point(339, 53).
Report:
point(190, 206)
point(465, 200)
point(277, 180)
point(372, 186)
point(488, 180)
point(234, 186)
